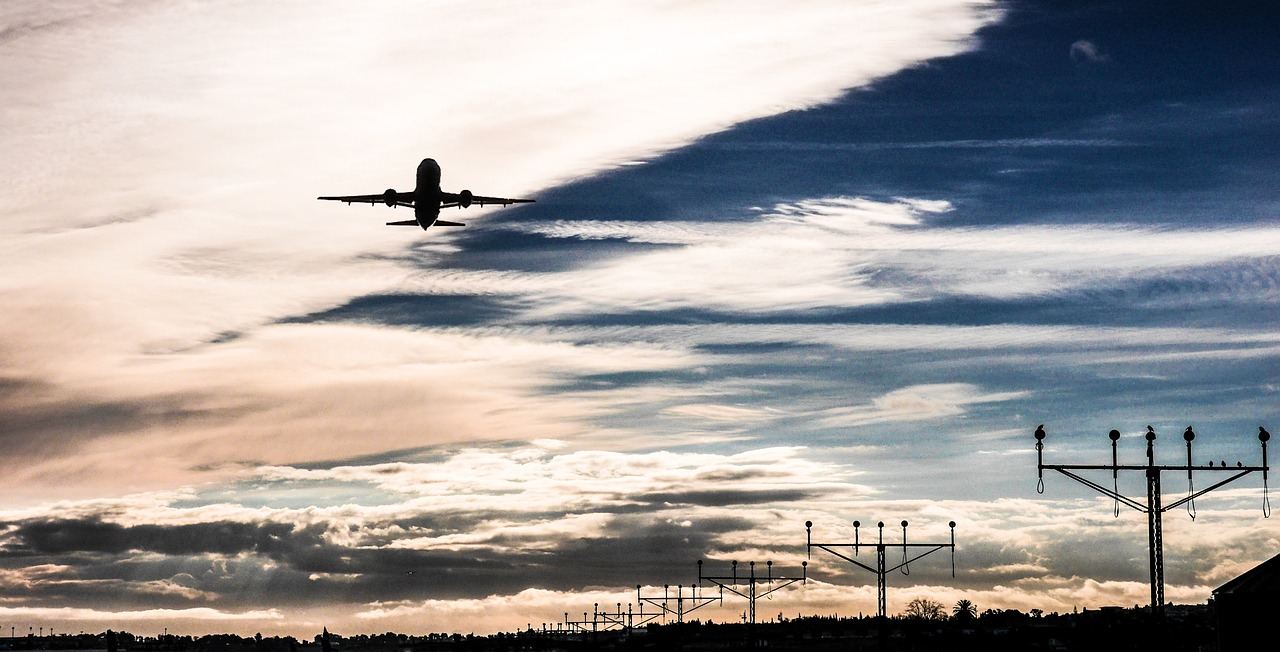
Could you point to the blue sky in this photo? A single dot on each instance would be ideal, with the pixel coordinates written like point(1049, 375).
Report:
point(819, 265)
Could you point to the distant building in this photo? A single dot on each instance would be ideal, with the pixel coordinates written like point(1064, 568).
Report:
point(1246, 607)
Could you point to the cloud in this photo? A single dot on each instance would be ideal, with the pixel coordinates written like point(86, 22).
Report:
point(397, 389)
point(493, 520)
point(182, 233)
point(915, 337)
point(544, 531)
point(852, 252)
point(714, 412)
point(996, 143)
point(1083, 50)
point(54, 536)
point(535, 606)
point(73, 615)
point(916, 403)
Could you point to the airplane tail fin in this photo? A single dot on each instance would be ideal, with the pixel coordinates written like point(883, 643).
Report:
point(447, 223)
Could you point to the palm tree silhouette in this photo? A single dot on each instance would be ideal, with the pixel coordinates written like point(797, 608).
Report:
point(965, 611)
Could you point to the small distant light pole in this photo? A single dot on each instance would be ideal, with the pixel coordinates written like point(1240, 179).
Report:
point(1153, 507)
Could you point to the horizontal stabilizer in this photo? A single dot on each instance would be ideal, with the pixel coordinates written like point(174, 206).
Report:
point(448, 223)
point(404, 223)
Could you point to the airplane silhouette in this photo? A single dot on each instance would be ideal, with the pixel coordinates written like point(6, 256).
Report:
point(427, 199)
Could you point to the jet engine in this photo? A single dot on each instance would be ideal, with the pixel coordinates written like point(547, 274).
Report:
point(464, 198)
point(389, 197)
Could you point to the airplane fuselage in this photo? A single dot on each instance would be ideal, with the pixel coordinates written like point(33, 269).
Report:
point(426, 206)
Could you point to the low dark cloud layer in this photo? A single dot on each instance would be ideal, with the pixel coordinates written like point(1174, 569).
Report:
point(244, 565)
point(51, 537)
point(423, 552)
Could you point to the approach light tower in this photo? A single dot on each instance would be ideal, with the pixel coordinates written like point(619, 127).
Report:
point(881, 569)
point(735, 584)
point(685, 604)
point(1153, 507)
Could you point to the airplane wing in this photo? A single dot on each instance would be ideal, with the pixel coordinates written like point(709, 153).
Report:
point(466, 199)
point(390, 198)
point(477, 200)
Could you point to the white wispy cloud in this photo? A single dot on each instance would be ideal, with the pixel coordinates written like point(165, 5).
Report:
point(715, 412)
point(916, 403)
point(1086, 50)
point(849, 252)
point(997, 143)
point(367, 389)
point(906, 337)
point(162, 218)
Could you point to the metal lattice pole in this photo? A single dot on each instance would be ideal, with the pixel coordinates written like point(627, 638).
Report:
point(1155, 540)
point(882, 591)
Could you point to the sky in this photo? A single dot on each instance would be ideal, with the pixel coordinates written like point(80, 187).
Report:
point(817, 261)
